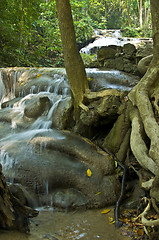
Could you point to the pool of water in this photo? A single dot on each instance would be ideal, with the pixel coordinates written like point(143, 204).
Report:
point(52, 225)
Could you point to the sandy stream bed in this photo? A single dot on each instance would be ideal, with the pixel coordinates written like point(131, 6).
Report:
point(52, 225)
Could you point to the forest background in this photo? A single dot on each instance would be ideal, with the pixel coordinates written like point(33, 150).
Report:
point(30, 36)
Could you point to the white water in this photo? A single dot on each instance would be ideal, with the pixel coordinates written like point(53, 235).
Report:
point(110, 79)
point(17, 143)
point(43, 124)
point(115, 39)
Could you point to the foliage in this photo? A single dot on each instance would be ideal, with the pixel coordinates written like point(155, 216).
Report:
point(88, 59)
point(30, 36)
point(131, 32)
point(82, 20)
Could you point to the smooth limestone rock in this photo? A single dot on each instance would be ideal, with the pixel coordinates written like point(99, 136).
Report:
point(36, 106)
point(53, 161)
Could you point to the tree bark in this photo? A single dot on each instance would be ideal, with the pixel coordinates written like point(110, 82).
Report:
point(139, 3)
point(73, 62)
point(155, 27)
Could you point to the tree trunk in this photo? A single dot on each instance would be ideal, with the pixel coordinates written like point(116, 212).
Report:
point(73, 62)
point(147, 14)
point(139, 2)
point(128, 11)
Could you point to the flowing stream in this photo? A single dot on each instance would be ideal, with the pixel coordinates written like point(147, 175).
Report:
point(15, 138)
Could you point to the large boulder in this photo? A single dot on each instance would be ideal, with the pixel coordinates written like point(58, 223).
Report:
point(60, 166)
point(107, 52)
point(129, 51)
point(122, 58)
point(144, 50)
point(64, 114)
point(103, 107)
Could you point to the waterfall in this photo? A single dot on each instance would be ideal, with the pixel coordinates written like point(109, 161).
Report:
point(45, 122)
point(56, 91)
point(31, 148)
point(110, 79)
point(107, 38)
point(6, 161)
point(9, 78)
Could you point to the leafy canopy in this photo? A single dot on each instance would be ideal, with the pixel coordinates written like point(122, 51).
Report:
point(29, 31)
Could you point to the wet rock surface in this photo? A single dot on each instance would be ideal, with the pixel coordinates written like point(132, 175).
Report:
point(123, 58)
point(62, 169)
point(101, 79)
point(52, 161)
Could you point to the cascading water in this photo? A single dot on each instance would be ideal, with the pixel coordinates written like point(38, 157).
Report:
point(110, 79)
point(114, 38)
point(41, 157)
point(42, 124)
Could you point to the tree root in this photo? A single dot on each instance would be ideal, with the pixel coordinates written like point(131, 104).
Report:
point(84, 107)
point(147, 185)
point(124, 147)
point(139, 97)
point(145, 222)
point(138, 145)
point(154, 205)
point(144, 184)
point(150, 125)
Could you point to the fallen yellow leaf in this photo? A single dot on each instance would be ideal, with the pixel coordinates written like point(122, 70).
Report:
point(105, 211)
point(98, 193)
point(39, 75)
point(89, 173)
point(116, 164)
point(90, 79)
point(111, 220)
